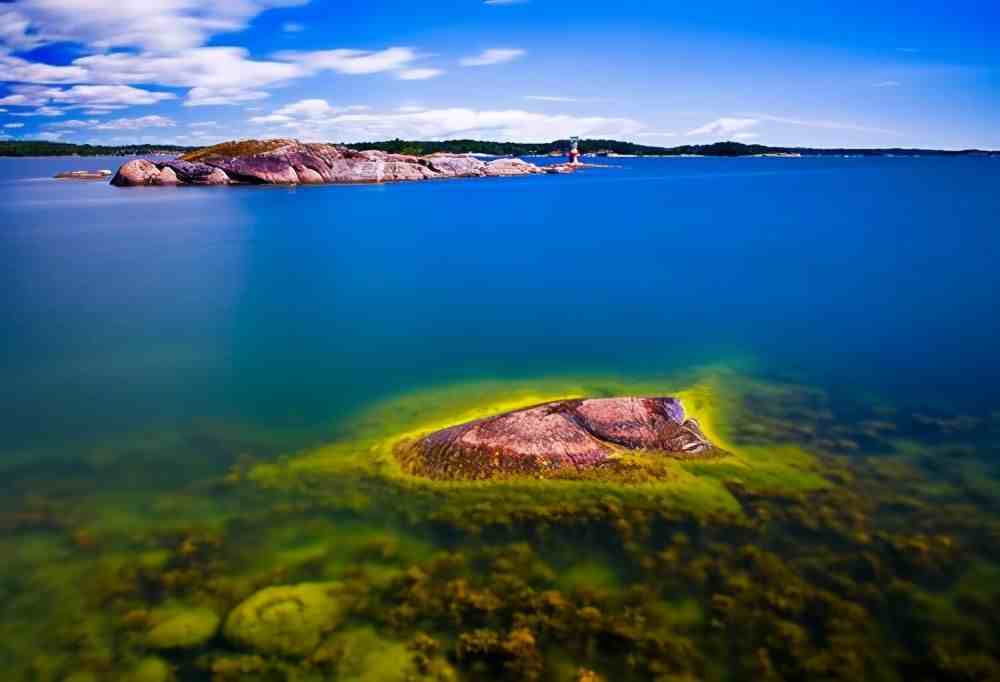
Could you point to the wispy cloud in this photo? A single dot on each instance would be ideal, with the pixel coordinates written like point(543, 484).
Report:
point(159, 26)
point(85, 95)
point(831, 125)
point(292, 27)
point(724, 126)
point(505, 2)
point(495, 55)
point(136, 123)
point(887, 84)
point(746, 136)
point(13, 125)
point(448, 123)
point(418, 74)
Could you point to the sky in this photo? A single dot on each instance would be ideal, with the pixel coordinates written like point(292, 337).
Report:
point(810, 73)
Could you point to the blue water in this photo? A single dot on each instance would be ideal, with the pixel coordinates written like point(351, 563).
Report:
point(127, 309)
point(160, 342)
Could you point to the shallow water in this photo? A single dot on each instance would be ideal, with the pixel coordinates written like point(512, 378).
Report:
point(169, 351)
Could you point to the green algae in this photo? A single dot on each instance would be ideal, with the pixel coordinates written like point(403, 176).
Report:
point(787, 560)
point(287, 620)
point(179, 627)
point(359, 470)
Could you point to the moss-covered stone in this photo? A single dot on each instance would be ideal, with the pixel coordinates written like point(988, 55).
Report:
point(182, 628)
point(150, 670)
point(288, 620)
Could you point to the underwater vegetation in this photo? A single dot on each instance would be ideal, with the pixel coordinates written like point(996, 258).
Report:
point(835, 541)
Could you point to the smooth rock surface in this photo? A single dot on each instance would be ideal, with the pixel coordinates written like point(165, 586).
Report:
point(136, 172)
point(571, 435)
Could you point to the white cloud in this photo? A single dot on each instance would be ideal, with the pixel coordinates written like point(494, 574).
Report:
point(418, 74)
point(315, 108)
point(50, 135)
point(746, 136)
point(504, 2)
point(205, 67)
point(450, 124)
point(73, 123)
point(351, 62)
point(271, 119)
point(164, 25)
point(650, 133)
point(495, 55)
point(888, 84)
point(292, 27)
point(551, 98)
point(202, 97)
point(13, 125)
point(724, 126)
point(203, 124)
point(140, 123)
point(40, 111)
point(85, 95)
point(831, 125)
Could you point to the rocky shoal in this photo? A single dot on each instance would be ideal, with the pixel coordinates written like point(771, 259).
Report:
point(289, 162)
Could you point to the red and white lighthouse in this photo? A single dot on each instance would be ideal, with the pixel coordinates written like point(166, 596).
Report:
point(574, 151)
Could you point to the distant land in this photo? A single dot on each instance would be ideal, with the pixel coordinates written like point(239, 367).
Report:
point(420, 148)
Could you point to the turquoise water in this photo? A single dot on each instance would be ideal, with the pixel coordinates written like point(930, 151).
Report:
point(155, 337)
point(126, 308)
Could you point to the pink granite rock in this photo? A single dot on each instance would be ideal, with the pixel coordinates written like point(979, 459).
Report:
point(167, 176)
point(510, 167)
point(136, 172)
point(292, 162)
point(571, 435)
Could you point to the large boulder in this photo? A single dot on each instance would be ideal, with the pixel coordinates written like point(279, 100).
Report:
point(289, 620)
point(135, 173)
point(510, 167)
point(455, 165)
point(557, 437)
point(194, 173)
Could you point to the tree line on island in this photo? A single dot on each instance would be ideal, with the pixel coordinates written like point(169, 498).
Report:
point(418, 148)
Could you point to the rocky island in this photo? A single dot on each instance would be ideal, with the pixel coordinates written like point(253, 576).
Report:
point(290, 162)
point(564, 435)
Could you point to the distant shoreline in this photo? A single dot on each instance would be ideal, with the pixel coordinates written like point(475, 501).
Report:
point(555, 149)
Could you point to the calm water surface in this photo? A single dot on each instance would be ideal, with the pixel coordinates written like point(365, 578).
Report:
point(154, 336)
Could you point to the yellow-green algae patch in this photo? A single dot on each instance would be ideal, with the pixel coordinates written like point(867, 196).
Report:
point(360, 470)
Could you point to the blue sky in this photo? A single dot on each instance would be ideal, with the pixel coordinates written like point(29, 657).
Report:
point(811, 73)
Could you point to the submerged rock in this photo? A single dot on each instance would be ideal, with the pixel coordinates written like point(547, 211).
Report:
point(150, 670)
point(554, 437)
point(290, 162)
point(182, 628)
point(289, 620)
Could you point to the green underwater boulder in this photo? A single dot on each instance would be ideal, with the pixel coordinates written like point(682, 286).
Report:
point(288, 620)
point(182, 628)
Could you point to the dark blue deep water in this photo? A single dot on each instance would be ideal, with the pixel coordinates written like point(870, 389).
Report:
point(202, 390)
point(122, 309)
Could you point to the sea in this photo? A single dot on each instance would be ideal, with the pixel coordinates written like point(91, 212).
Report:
point(200, 385)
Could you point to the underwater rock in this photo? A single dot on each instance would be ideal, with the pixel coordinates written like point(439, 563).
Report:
point(565, 435)
point(289, 620)
point(150, 670)
point(182, 629)
point(290, 162)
